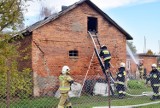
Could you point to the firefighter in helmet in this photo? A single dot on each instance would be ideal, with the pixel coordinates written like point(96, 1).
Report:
point(141, 70)
point(154, 78)
point(65, 84)
point(120, 80)
point(106, 55)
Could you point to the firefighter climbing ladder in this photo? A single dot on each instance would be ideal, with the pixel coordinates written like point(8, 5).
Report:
point(96, 43)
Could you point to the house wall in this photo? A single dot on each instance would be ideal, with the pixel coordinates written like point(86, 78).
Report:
point(52, 42)
point(147, 62)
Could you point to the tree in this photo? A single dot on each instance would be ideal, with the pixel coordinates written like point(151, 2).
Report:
point(11, 17)
point(132, 47)
point(149, 52)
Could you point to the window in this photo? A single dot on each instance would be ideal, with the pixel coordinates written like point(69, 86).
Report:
point(128, 64)
point(73, 53)
point(92, 24)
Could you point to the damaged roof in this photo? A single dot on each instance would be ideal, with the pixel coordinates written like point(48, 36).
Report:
point(69, 8)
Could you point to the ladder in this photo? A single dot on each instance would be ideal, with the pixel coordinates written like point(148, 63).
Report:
point(97, 44)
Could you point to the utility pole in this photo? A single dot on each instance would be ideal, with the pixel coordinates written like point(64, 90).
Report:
point(144, 50)
point(159, 46)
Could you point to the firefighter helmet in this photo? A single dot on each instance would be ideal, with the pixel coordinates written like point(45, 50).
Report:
point(122, 64)
point(65, 69)
point(154, 65)
point(103, 46)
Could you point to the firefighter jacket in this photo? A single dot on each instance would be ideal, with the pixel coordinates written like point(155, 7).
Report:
point(154, 77)
point(141, 68)
point(65, 83)
point(121, 76)
point(105, 54)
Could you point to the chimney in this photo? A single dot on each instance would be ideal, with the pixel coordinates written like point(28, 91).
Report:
point(64, 7)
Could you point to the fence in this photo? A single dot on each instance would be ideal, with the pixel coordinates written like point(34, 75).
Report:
point(15, 94)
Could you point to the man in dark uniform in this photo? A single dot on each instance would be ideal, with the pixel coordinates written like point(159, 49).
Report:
point(106, 55)
point(154, 78)
point(120, 80)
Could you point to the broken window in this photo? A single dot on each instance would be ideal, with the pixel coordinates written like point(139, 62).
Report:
point(92, 24)
point(73, 53)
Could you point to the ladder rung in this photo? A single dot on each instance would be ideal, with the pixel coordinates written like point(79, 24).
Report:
point(94, 36)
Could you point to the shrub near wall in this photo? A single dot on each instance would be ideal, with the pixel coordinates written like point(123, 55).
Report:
point(136, 84)
point(20, 84)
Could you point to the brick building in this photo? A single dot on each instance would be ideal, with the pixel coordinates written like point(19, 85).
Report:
point(147, 60)
point(63, 39)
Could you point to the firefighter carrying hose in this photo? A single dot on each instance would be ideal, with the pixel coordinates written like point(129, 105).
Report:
point(65, 84)
point(120, 80)
point(105, 54)
point(154, 78)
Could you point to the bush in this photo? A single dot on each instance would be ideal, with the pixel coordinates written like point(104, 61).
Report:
point(136, 84)
point(20, 84)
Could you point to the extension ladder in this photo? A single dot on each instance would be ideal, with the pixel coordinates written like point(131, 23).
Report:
point(97, 44)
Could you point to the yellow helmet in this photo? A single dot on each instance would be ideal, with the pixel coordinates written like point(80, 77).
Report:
point(65, 69)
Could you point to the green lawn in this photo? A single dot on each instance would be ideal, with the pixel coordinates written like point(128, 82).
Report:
point(85, 101)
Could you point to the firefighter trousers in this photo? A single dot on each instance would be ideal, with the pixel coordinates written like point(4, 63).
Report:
point(107, 64)
point(155, 91)
point(120, 89)
point(64, 101)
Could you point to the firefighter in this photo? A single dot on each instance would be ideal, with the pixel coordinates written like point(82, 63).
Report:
point(141, 70)
point(120, 80)
point(65, 84)
point(154, 78)
point(158, 67)
point(106, 55)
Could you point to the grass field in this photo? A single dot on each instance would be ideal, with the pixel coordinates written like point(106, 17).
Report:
point(85, 101)
point(82, 102)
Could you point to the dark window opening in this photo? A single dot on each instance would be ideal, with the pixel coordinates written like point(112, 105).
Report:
point(92, 24)
point(73, 53)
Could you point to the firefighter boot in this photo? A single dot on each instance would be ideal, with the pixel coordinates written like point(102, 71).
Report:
point(69, 106)
point(106, 71)
point(123, 95)
point(153, 98)
point(158, 97)
point(120, 96)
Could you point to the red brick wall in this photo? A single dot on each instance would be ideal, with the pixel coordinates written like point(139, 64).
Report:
point(147, 62)
point(69, 32)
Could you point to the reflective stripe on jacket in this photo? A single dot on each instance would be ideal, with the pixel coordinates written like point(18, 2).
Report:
point(105, 54)
point(154, 77)
point(64, 83)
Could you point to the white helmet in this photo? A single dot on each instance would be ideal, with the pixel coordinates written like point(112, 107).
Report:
point(122, 64)
point(154, 65)
point(65, 69)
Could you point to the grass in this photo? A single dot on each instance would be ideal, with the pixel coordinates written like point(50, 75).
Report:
point(85, 101)
point(45, 102)
point(82, 102)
